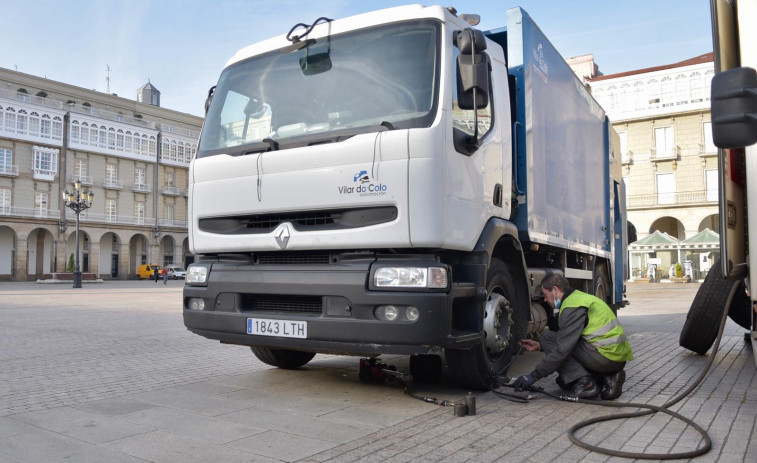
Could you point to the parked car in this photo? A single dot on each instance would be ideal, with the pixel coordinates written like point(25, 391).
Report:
point(175, 272)
point(147, 271)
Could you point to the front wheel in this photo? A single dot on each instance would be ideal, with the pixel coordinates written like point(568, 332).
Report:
point(504, 318)
point(282, 358)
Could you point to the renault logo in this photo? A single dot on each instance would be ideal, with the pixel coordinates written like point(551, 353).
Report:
point(282, 237)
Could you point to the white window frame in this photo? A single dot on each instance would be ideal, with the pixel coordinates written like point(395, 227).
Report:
point(80, 169)
point(5, 201)
point(40, 204)
point(666, 188)
point(169, 212)
point(623, 137)
point(708, 145)
point(139, 212)
point(140, 177)
point(711, 185)
point(6, 161)
point(45, 127)
point(111, 210)
point(45, 163)
point(10, 120)
point(664, 142)
point(111, 173)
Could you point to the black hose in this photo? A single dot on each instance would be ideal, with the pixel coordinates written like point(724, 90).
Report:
point(652, 409)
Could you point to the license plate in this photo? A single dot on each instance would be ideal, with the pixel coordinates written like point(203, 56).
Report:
point(280, 328)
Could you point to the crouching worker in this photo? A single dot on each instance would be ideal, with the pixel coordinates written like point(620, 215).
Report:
point(589, 350)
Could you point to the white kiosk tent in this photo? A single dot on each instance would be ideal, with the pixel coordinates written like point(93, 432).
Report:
point(702, 250)
point(651, 256)
point(654, 256)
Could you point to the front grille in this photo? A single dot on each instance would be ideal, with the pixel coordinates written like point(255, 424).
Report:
point(335, 219)
point(268, 303)
point(292, 258)
point(268, 222)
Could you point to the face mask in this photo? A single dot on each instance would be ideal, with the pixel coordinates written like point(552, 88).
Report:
point(556, 299)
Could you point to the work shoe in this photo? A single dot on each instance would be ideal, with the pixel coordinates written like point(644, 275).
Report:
point(585, 388)
point(611, 386)
point(563, 385)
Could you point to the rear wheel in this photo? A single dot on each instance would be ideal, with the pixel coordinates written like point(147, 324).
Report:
point(504, 324)
point(602, 284)
point(282, 358)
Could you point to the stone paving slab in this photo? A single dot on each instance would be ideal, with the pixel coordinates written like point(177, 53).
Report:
point(109, 373)
point(191, 425)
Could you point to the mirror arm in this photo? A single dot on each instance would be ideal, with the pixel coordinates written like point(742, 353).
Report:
point(474, 141)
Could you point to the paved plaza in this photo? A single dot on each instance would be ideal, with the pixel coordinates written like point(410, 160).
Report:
point(108, 373)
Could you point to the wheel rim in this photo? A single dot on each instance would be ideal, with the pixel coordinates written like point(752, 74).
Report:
point(498, 320)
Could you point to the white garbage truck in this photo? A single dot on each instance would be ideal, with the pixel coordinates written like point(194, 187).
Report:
point(399, 182)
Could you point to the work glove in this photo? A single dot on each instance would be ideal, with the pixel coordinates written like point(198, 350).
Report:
point(523, 383)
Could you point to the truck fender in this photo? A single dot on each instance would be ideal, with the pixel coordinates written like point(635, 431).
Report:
point(499, 239)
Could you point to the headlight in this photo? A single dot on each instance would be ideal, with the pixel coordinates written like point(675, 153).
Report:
point(197, 274)
point(410, 277)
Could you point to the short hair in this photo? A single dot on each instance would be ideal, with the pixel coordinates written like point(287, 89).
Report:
point(556, 279)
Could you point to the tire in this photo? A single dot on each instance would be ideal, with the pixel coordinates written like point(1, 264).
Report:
point(601, 285)
point(703, 320)
point(741, 308)
point(480, 366)
point(282, 358)
point(426, 368)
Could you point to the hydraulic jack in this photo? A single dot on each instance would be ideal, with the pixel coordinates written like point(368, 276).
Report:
point(373, 371)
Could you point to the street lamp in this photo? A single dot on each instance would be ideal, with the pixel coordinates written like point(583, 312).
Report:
point(78, 201)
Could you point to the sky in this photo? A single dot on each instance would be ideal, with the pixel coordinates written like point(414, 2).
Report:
point(182, 46)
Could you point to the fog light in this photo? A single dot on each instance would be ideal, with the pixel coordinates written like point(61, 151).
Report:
point(196, 303)
point(391, 313)
point(412, 313)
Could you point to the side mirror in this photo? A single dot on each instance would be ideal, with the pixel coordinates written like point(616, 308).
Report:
point(209, 99)
point(734, 108)
point(473, 70)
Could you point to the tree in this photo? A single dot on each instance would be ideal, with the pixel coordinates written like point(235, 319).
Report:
point(71, 266)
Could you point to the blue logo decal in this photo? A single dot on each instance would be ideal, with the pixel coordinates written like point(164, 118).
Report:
point(362, 176)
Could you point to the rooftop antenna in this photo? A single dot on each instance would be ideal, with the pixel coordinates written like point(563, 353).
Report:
point(107, 79)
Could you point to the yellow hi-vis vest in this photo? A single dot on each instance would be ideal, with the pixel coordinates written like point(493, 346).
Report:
point(604, 331)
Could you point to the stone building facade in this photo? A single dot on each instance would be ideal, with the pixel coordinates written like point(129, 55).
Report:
point(669, 161)
point(133, 156)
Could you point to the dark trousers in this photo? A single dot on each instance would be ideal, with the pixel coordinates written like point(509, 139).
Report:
point(584, 360)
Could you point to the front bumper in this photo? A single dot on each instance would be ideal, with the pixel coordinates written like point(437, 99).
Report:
point(338, 307)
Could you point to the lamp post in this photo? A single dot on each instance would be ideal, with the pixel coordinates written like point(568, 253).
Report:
point(78, 201)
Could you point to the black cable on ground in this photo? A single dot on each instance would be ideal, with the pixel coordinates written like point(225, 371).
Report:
point(503, 371)
point(652, 409)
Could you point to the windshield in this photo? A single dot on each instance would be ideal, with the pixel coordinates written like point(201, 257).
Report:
point(364, 81)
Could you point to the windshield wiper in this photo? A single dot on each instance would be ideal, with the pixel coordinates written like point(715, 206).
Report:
point(273, 145)
point(269, 144)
